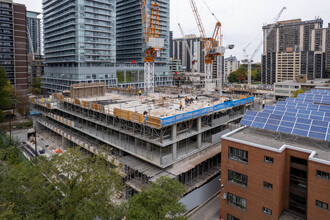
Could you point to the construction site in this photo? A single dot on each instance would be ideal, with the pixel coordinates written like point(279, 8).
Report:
point(144, 136)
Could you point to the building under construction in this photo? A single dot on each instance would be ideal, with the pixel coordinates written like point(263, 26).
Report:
point(145, 137)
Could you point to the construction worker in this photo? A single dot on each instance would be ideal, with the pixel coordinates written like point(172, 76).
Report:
point(185, 99)
point(180, 105)
point(140, 93)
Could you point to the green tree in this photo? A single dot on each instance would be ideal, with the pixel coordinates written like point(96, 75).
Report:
point(159, 201)
point(36, 86)
point(68, 186)
point(5, 92)
point(243, 70)
point(295, 93)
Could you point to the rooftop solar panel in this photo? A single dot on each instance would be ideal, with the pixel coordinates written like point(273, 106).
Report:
point(320, 123)
point(298, 116)
point(271, 127)
point(258, 125)
point(300, 132)
point(273, 121)
point(246, 122)
point(316, 135)
point(285, 130)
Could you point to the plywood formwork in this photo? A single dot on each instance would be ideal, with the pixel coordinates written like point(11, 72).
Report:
point(87, 90)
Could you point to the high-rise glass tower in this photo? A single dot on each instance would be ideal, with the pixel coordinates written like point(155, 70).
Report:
point(130, 40)
point(79, 42)
point(33, 32)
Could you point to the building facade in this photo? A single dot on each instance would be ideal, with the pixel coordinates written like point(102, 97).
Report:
point(231, 65)
point(130, 39)
point(218, 62)
point(33, 32)
point(266, 180)
point(35, 67)
point(196, 48)
point(79, 43)
point(130, 45)
point(289, 51)
point(320, 43)
point(277, 165)
point(175, 66)
point(95, 41)
point(189, 151)
point(13, 43)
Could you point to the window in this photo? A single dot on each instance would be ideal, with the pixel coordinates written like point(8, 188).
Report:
point(237, 178)
point(236, 201)
point(269, 159)
point(237, 154)
point(322, 174)
point(230, 217)
point(268, 185)
point(322, 205)
point(266, 211)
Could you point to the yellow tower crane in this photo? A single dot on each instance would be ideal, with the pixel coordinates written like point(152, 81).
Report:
point(153, 43)
point(212, 46)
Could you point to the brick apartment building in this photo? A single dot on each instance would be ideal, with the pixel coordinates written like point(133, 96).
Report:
point(268, 174)
point(13, 43)
point(262, 177)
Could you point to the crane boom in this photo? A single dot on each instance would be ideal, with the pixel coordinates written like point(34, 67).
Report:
point(249, 61)
point(212, 47)
point(199, 22)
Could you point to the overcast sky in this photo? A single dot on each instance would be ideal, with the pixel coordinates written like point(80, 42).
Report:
point(241, 20)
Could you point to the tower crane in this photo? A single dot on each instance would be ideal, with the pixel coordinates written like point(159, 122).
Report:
point(192, 58)
point(246, 57)
point(153, 43)
point(212, 46)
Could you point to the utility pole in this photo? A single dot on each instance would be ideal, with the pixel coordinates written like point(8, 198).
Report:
point(35, 141)
point(10, 126)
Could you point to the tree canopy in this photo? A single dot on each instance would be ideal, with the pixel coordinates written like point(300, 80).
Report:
point(241, 74)
point(69, 186)
point(159, 201)
point(36, 86)
point(295, 93)
point(5, 92)
point(77, 186)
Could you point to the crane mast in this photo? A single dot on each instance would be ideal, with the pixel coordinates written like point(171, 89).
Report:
point(152, 42)
point(212, 48)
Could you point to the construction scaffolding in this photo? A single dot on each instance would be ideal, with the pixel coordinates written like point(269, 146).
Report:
point(145, 146)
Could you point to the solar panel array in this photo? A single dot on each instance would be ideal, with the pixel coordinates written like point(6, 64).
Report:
point(299, 116)
point(313, 97)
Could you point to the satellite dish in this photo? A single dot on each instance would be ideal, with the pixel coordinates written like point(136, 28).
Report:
point(224, 196)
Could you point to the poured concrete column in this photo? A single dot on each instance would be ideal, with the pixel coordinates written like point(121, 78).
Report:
point(174, 132)
point(174, 151)
point(174, 145)
point(199, 141)
point(136, 144)
point(199, 124)
point(199, 136)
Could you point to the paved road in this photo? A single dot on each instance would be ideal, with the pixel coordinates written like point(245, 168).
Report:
point(211, 211)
